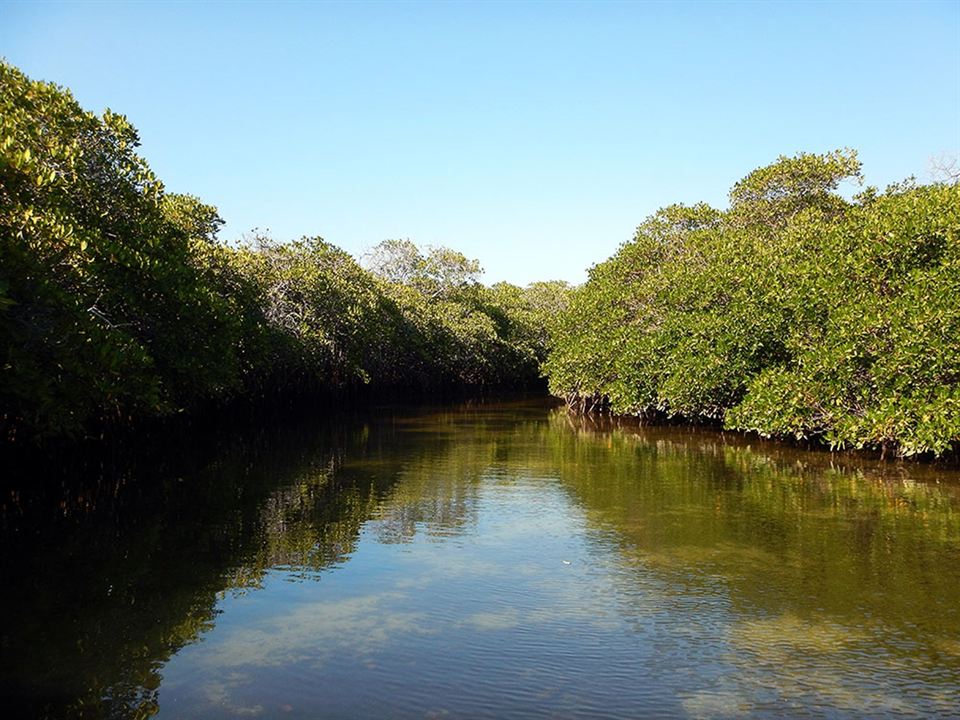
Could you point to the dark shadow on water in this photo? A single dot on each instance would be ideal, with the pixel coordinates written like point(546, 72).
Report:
point(113, 556)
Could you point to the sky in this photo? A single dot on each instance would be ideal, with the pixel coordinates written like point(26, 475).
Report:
point(532, 136)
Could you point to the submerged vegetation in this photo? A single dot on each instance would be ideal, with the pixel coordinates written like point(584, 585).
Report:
point(797, 312)
point(794, 313)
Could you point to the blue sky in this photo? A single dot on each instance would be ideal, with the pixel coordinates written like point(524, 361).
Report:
point(533, 136)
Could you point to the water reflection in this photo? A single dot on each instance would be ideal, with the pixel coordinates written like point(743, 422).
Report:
point(835, 585)
point(484, 561)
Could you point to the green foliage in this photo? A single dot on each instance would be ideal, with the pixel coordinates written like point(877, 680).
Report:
point(794, 313)
point(455, 329)
point(772, 195)
point(526, 316)
point(105, 310)
point(440, 273)
point(318, 302)
point(117, 300)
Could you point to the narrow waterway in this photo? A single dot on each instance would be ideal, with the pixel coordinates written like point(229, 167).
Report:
point(483, 561)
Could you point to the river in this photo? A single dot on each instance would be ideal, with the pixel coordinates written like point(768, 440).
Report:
point(486, 560)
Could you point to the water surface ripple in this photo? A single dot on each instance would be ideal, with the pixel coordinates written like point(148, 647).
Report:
point(486, 561)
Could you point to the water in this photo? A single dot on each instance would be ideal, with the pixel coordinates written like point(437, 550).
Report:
point(483, 561)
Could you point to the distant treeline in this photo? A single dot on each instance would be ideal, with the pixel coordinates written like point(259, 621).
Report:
point(795, 313)
point(118, 303)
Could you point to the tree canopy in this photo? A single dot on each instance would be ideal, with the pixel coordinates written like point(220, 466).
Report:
point(798, 311)
point(794, 313)
point(118, 301)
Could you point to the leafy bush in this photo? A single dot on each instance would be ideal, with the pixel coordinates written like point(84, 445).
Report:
point(793, 313)
point(105, 310)
point(117, 301)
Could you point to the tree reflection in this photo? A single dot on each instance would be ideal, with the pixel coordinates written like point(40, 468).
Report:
point(812, 554)
point(116, 568)
point(108, 580)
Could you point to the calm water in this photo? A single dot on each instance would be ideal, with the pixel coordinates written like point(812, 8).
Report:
point(486, 561)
